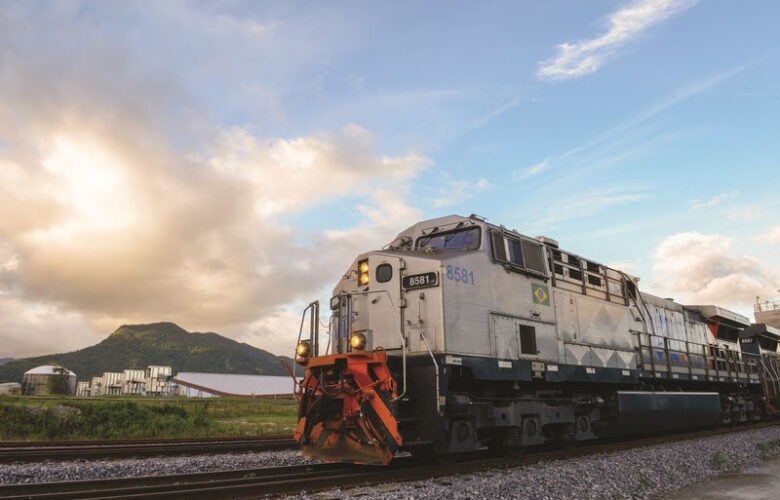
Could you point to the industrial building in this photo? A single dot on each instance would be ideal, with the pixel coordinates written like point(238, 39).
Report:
point(133, 381)
point(96, 386)
point(767, 313)
point(112, 383)
point(194, 384)
point(154, 381)
point(157, 381)
point(48, 379)
point(10, 389)
point(82, 389)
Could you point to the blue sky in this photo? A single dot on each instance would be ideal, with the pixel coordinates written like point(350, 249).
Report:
point(219, 164)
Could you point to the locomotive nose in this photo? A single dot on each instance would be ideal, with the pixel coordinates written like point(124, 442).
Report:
point(347, 410)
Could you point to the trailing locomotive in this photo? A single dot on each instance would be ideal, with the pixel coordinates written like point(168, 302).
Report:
point(461, 335)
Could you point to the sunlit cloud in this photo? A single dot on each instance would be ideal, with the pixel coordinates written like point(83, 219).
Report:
point(697, 268)
point(625, 25)
point(770, 236)
point(112, 210)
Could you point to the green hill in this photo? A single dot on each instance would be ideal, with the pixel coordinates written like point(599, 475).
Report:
point(138, 346)
point(5, 360)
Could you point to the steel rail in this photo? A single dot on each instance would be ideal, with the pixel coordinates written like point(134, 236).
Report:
point(28, 452)
point(255, 482)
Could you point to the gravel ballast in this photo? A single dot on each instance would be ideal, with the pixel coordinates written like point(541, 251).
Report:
point(639, 473)
point(136, 467)
point(647, 472)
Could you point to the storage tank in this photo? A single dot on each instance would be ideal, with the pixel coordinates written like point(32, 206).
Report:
point(48, 379)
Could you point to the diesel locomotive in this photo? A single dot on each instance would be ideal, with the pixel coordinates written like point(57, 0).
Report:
point(460, 335)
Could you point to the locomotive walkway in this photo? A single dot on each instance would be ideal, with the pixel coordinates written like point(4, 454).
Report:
point(255, 482)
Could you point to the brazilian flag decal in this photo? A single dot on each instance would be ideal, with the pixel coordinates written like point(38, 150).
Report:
point(541, 294)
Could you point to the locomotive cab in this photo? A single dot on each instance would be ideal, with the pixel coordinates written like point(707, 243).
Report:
point(385, 333)
point(762, 341)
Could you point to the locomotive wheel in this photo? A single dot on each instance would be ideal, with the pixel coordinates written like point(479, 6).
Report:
point(510, 442)
point(567, 436)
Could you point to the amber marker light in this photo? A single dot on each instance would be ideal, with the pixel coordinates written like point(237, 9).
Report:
point(358, 341)
point(363, 272)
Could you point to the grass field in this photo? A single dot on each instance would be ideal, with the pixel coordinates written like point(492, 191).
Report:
point(63, 418)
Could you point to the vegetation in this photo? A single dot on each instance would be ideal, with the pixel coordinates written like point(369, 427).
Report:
point(768, 449)
point(42, 419)
point(718, 461)
point(644, 483)
point(138, 346)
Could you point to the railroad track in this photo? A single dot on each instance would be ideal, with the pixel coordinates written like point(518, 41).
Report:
point(252, 483)
point(26, 452)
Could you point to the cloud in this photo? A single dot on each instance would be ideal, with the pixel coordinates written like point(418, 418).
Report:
point(625, 25)
point(700, 268)
point(533, 170)
point(770, 236)
point(746, 213)
point(712, 202)
point(632, 137)
point(118, 205)
point(584, 205)
point(455, 192)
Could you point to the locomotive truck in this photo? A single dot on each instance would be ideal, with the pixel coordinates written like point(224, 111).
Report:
point(461, 335)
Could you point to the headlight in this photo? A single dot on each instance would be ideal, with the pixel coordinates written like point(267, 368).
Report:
point(357, 341)
point(302, 349)
point(363, 272)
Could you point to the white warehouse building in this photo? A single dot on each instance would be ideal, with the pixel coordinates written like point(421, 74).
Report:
point(202, 385)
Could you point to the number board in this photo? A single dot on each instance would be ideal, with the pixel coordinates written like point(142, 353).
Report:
point(423, 280)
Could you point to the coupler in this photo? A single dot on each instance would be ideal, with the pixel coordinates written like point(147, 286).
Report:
point(347, 408)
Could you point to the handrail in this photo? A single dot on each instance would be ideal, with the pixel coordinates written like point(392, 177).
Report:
point(420, 298)
point(773, 305)
point(722, 355)
point(775, 377)
point(313, 306)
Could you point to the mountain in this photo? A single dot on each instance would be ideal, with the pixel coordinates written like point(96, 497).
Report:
point(5, 360)
point(138, 346)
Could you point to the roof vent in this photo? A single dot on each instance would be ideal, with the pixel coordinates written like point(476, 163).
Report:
point(547, 241)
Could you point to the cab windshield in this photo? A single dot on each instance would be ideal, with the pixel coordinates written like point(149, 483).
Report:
point(459, 239)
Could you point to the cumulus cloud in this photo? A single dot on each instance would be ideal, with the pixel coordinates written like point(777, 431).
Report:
point(114, 208)
point(700, 268)
point(625, 25)
point(770, 236)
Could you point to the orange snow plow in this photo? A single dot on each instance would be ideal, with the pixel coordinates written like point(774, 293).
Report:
point(346, 408)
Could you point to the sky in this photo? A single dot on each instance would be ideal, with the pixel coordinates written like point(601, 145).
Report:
point(220, 164)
